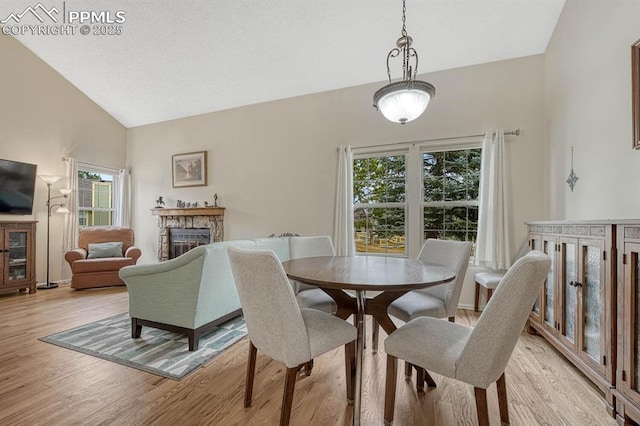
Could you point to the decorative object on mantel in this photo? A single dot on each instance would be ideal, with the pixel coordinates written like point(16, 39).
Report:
point(572, 179)
point(215, 200)
point(50, 180)
point(286, 234)
point(189, 205)
point(159, 202)
point(635, 92)
point(404, 100)
point(189, 169)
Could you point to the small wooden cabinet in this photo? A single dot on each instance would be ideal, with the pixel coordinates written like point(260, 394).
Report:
point(17, 256)
point(576, 310)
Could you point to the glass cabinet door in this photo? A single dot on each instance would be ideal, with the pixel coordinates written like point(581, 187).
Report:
point(16, 255)
point(569, 289)
point(631, 356)
point(536, 244)
point(592, 299)
point(634, 267)
point(549, 299)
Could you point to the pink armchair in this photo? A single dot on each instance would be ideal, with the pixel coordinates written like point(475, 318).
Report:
point(101, 271)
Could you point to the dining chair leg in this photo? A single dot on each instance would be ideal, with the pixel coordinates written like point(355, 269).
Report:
point(287, 396)
point(501, 384)
point(477, 299)
point(407, 370)
point(390, 392)
point(375, 333)
point(481, 406)
point(251, 370)
point(489, 294)
point(420, 379)
point(350, 370)
point(452, 319)
point(308, 367)
point(429, 380)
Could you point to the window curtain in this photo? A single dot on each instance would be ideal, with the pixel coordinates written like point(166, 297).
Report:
point(123, 198)
point(493, 243)
point(70, 238)
point(343, 219)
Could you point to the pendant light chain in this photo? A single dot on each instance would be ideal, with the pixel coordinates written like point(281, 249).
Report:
point(404, 19)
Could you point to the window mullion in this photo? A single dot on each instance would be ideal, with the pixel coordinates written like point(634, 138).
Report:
point(414, 232)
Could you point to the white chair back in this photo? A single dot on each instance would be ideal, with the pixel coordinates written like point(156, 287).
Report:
point(301, 247)
point(487, 352)
point(454, 255)
point(274, 321)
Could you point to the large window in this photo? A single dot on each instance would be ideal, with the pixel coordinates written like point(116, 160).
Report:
point(422, 192)
point(379, 189)
point(451, 182)
point(96, 197)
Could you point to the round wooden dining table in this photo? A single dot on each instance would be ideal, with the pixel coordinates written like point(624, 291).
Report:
point(391, 276)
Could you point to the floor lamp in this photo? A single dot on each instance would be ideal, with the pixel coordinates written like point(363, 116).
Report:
point(49, 180)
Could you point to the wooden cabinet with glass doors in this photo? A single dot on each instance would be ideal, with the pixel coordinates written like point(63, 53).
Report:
point(627, 392)
point(576, 308)
point(17, 256)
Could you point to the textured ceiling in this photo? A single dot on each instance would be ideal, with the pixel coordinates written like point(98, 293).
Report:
point(181, 58)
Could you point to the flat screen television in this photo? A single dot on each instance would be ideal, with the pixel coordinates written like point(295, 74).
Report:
point(17, 187)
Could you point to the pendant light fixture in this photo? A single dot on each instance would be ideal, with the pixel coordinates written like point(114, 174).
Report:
point(404, 100)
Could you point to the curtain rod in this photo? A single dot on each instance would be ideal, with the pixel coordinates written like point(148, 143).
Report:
point(513, 132)
point(65, 159)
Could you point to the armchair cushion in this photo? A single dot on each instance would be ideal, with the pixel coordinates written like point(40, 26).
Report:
point(101, 265)
point(101, 250)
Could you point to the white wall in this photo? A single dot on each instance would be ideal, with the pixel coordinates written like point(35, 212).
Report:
point(43, 118)
point(588, 106)
point(273, 165)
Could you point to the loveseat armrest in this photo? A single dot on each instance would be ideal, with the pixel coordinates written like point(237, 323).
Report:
point(166, 292)
point(134, 253)
point(75, 254)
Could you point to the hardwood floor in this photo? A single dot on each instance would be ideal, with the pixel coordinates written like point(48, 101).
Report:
point(44, 384)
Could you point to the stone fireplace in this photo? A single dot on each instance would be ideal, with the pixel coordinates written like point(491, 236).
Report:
point(181, 229)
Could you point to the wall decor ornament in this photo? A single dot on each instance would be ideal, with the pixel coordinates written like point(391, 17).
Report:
point(635, 92)
point(189, 169)
point(573, 178)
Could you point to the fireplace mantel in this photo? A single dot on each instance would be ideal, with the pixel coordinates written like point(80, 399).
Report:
point(187, 218)
point(191, 211)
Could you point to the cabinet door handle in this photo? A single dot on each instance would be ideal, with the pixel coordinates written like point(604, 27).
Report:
point(577, 284)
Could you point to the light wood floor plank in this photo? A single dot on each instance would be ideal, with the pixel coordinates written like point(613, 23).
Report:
point(42, 384)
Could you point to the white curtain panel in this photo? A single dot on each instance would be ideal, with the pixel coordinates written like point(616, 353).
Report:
point(123, 198)
point(343, 219)
point(70, 237)
point(493, 246)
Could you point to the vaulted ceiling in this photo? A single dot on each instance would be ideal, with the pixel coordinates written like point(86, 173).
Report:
point(180, 58)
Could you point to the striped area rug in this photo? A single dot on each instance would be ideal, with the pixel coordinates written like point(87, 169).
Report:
point(156, 351)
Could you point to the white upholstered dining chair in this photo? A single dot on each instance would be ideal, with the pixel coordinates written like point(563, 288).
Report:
point(440, 301)
point(309, 296)
point(279, 328)
point(478, 355)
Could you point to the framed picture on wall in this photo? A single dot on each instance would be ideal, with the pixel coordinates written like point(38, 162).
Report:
point(189, 169)
point(635, 92)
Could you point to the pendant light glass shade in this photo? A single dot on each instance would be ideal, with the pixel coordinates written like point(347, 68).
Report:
point(404, 101)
